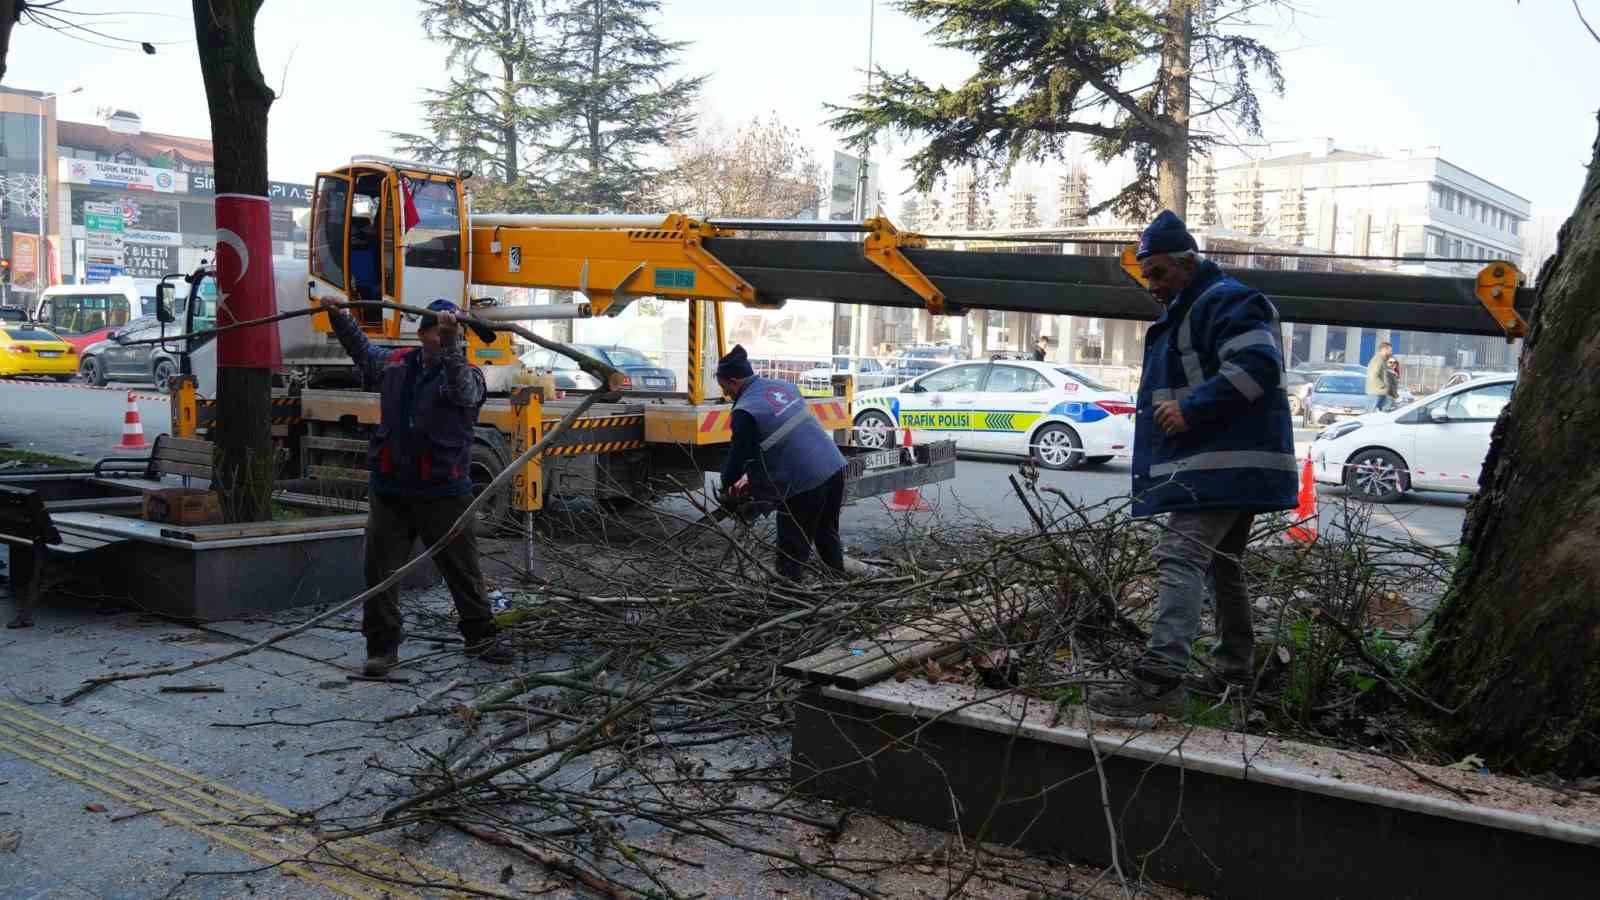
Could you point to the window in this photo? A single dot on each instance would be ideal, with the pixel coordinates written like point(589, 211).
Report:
point(85, 313)
point(1455, 248)
point(1341, 384)
point(1479, 404)
point(955, 378)
point(1085, 380)
point(28, 334)
point(328, 230)
point(870, 366)
point(624, 356)
point(434, 242)
point(1015, 380)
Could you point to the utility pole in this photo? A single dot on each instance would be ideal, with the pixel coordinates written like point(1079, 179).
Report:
point(861, 331)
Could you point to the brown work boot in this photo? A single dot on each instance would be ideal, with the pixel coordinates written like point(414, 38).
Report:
point(378, 665)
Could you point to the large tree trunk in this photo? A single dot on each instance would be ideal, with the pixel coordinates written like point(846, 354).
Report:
point(1516, 646)
point(8, 18)
point(1172, 153)
point(238, 98)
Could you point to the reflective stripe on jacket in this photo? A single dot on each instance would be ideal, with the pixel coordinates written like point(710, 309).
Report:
point(1217, 351)
point(796, 454)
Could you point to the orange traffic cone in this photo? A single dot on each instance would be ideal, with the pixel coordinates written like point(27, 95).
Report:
point(1304, 529)
point(132, 428)
point(910, 499)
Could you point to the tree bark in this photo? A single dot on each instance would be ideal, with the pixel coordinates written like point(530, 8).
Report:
point(1172, 152)
point(8, 18)
point(238, 98)
point(508, 102)
point(1516, 645)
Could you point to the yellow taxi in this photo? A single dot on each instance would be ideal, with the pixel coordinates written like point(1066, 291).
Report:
point(28, 349)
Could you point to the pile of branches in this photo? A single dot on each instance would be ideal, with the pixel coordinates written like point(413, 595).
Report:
point(650, 709)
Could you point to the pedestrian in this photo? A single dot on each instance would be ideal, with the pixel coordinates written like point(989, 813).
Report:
point(1213, 446)
point(1041, 348)
point(1377, 378)
point(780, 447)
point(420, 457)
point(1391, 377)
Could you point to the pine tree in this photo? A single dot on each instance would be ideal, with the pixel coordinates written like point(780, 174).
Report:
point(610, 102)
point(488, 119)
point(911, 213)
point(1120, 74)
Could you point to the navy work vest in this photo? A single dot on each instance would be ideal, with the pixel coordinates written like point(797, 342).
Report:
point(796, 454)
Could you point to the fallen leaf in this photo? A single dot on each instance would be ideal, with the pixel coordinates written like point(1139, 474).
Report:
point(466, 714)
point(934, 671)
point(10, 841)
point(902, 675)
point(94, 807)
point(1472, 762)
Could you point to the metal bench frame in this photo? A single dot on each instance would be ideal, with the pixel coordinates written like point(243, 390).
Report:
point(26, 527)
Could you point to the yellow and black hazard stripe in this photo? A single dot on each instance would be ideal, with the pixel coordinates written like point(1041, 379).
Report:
point(285, 411)
point(595, 447)
point(603, 422)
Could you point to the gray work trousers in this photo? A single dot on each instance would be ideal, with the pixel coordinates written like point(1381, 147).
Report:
point(1195, 542)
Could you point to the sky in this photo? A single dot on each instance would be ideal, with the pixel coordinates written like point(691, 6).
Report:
point(1506, 90)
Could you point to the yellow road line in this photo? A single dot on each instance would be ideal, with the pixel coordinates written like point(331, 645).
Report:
point(379, 858)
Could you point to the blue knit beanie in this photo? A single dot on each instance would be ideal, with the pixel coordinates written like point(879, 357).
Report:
point(736, 364)
point(1167, 234)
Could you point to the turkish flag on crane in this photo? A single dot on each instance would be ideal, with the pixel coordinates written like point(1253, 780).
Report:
point(411, 216)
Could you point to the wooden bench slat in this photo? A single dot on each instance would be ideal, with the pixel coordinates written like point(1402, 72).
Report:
point(139, 485)
point(193, 471)
point(92, 503)
point(166, 457)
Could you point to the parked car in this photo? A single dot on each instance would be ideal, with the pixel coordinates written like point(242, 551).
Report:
point(116, 359)
point(869, 374)
point(1436, 444)
point(27, 349)
point(1061, 418)
point(643, 375)
point(13, 314)
point(1298, 383)
point(914, 361)
point(1466, 375)
point(1334, 397)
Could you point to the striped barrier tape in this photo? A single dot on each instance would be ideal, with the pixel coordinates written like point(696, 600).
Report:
point(83, 387)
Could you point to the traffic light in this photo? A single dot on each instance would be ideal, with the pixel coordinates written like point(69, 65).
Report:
point(5, 269)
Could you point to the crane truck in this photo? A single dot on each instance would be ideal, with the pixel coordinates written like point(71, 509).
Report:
point(401, 231)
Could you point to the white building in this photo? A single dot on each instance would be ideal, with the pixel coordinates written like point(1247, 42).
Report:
point(1408, 204)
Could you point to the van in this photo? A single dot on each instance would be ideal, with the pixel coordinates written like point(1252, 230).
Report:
point(83, 314)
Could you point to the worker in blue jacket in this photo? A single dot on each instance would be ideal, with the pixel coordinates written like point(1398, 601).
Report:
point(1213, 446)
point(780, 452)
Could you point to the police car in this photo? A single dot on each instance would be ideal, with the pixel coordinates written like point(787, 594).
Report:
point(1063, 419)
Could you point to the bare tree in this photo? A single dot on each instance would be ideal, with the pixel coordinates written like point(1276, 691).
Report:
point(763, 170)
point(1538, 244)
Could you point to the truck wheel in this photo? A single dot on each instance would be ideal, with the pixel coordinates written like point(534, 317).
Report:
point(91, 372)
point(874, 430)
point(1057, 447)
point(496, 514)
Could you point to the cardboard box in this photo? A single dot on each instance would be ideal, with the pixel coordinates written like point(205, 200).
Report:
point(182, 506)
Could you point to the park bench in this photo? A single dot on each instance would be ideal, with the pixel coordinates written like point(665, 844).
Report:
point(35, 540)
point(182, 457)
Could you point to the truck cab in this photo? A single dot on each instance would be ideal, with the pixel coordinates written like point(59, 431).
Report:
point(390, 231)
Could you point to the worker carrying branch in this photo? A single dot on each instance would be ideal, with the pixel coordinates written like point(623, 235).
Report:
point(1213, 446)
point(781, 454)
point(420, 458)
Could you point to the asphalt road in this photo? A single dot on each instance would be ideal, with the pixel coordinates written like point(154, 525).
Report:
point(76, 421)
point(73, 419)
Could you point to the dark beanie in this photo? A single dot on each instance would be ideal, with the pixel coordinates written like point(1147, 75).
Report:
point(1167, 234)
point(736, 364)
point(484, 334)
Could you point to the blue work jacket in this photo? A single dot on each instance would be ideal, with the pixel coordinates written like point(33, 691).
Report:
point(1218, 351)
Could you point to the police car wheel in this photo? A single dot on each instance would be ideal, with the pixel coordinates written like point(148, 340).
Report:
point(1376, 476)
point(1057, 447)
point(874, 431)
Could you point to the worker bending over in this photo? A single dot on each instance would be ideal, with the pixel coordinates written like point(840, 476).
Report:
point(420, 457)
point(1213, 446)
point(781, 454)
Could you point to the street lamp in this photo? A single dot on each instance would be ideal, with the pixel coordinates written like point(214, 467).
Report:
point(41, 253)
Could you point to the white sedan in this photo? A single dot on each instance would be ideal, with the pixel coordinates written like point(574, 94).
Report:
point(1061, 418)
point(1435, 444)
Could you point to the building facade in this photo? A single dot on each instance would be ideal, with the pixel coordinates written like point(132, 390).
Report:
point(1417, 212)
point(29, 228)
point(137, 204)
